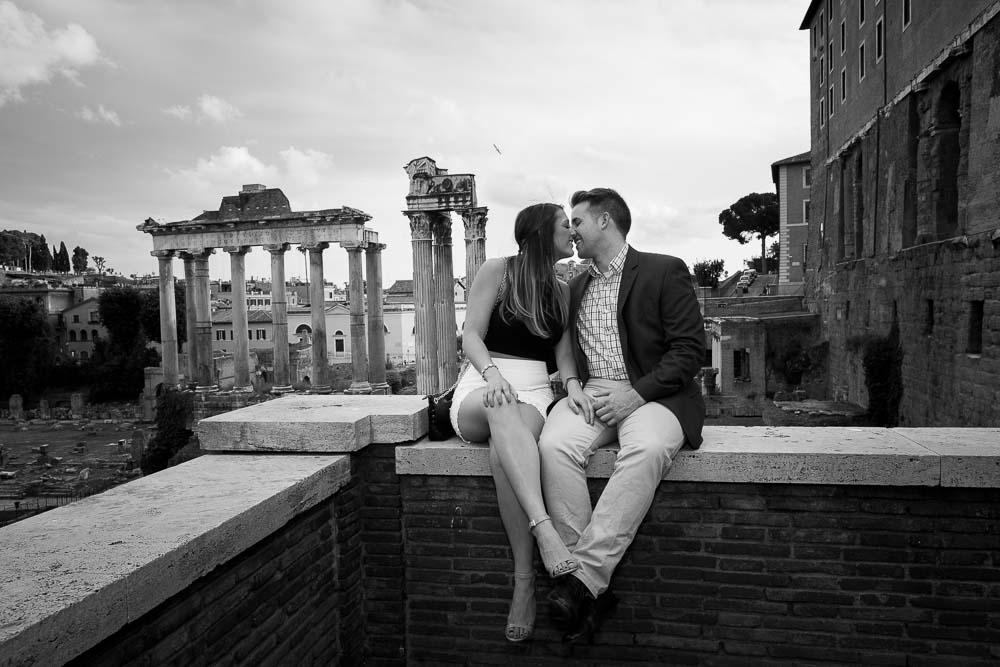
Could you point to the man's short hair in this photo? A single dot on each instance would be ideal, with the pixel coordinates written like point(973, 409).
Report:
point(606, 200)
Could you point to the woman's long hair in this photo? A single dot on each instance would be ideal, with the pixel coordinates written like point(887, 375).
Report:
point(533, 295)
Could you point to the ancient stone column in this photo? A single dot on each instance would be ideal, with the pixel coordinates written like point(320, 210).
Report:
point(189, 320)
point(356, 298)
point(376, 319)
point(423, 302)
point(241, 356)
point(474, 220)
point(203, 323)
point(444, 302)
point(279, 319)
point(168, 318)
point(320, 374)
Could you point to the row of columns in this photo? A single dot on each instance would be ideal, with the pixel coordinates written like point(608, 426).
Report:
point(367, 378)
point(434, 290)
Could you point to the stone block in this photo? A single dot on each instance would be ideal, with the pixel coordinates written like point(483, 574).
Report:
point(316, 423)
point(969, 457)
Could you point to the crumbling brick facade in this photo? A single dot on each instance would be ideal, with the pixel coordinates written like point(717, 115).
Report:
point(904, 241)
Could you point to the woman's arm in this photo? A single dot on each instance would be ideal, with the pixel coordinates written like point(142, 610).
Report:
point(482, 297)
point(578, 400)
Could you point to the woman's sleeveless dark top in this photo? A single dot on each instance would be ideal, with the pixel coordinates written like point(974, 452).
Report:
point(516, 339)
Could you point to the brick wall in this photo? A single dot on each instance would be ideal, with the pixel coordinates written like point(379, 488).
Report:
point(728, 574)
point(286, 601)
point(382, 546)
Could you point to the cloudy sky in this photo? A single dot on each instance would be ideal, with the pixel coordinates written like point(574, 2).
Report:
point(112, 111)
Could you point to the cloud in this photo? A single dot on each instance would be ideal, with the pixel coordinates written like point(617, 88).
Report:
point(217, 109)
point(209, 108)
point(102, 115)
point(305, 176)
point(181, 111)
point(31, 54)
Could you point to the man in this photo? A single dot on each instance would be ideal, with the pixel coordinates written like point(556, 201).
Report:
point(638, 340)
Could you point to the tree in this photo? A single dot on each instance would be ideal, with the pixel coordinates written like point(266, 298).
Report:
point(26, 341)
point(60, 262)
point(99, 263)
point(80, 259)
point(773, 257)
point(173, 417)
point(708, 271)
point(120, 309)
point(752, 214)
point(41, 259)
point(150, 315)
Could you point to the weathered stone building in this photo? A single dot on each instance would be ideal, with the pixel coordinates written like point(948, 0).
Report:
point(792, 180)
point(903, 262)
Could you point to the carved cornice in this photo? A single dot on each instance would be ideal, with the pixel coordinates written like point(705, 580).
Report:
point(277, 248)
point(374, 248)
point(315, 247)
point(163, 254)
point(238, 249)
point(196, 254)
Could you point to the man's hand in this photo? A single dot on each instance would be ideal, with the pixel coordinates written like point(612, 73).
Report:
point(612, 408)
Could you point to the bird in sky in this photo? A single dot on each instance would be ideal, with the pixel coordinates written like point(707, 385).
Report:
point(497, 149)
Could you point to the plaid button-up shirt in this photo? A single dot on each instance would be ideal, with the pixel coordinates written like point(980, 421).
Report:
point(597, 321)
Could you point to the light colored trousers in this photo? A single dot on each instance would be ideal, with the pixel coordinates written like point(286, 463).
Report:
point(649, 439)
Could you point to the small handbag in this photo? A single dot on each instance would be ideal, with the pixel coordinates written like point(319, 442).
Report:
point(439, 415)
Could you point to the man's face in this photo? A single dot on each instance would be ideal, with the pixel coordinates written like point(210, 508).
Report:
point(586, 230)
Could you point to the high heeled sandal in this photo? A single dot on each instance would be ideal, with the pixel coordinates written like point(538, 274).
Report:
point(558, 561)
point(516, 632)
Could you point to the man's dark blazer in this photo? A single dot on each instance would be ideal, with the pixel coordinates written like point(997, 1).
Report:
point(662, 335)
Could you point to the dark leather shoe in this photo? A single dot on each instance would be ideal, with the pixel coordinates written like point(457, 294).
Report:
point(599, 610)
point(569, 602)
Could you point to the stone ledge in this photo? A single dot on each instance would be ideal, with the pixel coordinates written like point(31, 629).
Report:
point(321, 423)
point(963, 457)
point(75, 575)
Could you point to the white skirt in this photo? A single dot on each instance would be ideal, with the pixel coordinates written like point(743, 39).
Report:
point(529, 377)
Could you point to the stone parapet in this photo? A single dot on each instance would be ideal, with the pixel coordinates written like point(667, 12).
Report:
point(779, 455)
point(316, 423)
point(77, 574)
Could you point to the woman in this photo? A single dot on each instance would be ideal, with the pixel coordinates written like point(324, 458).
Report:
point(516, 334)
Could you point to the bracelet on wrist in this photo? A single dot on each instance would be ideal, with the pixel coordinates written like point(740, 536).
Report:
point(567, 381)
point(488, 366)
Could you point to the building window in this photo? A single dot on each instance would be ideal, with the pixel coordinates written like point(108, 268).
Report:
point(975, 327)
point(831, 101)
point(807, 177)
point(76, 319)
point(220, 334)
point(879, 40)
point(843, 85)
point(822, 111)
point(93, 334)
point(929, 317)
point(84, 355)
point(861, 13)
point(805, 210)
point(830, 56)
point(249, 334)
point(83, 335)
point(338, 342)
point(231, 332)
point(95, 316)
point(843, 37)
point(822, 70)
point(741, 365)
point(861, 62)
point(907, 14)
point(261, 334)
point(72, 336)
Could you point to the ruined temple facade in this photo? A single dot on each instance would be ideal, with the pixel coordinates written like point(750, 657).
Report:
point(903, 250)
